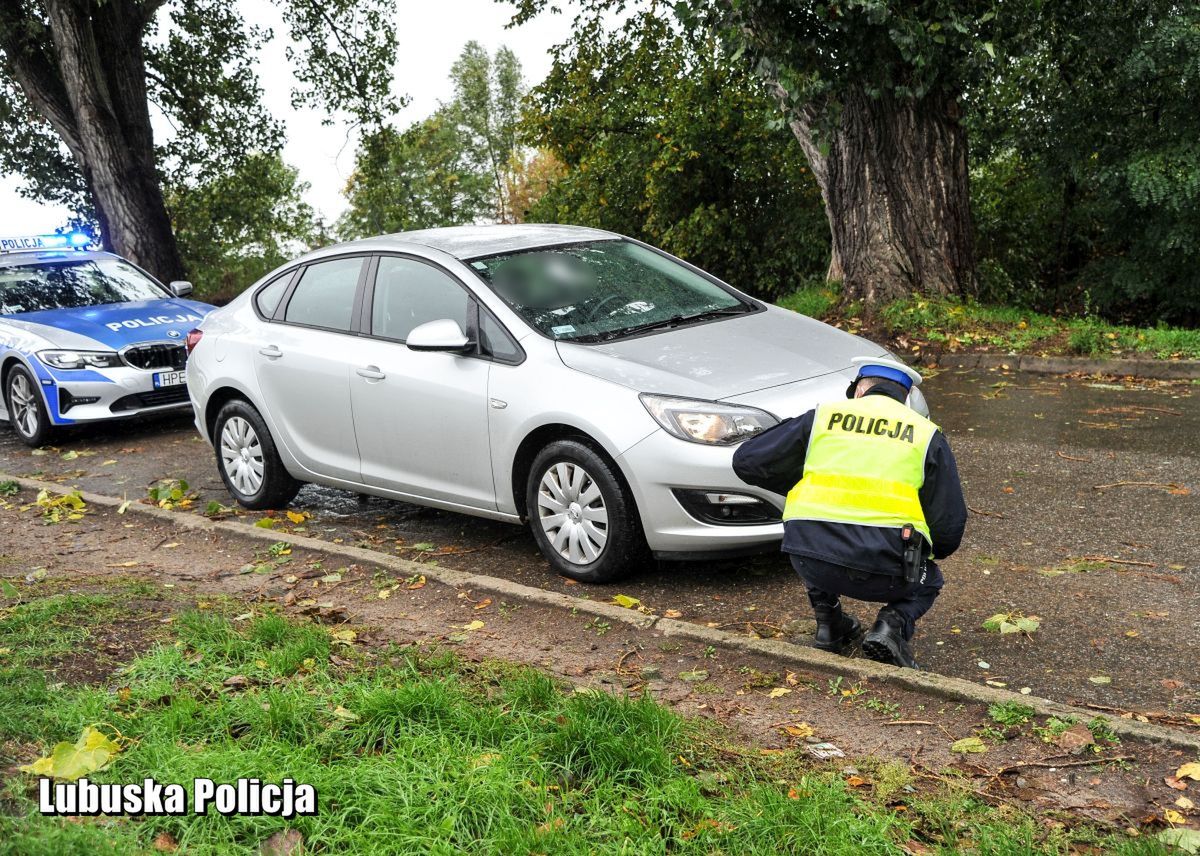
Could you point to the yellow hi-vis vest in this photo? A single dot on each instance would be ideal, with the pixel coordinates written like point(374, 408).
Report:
point(864, 466)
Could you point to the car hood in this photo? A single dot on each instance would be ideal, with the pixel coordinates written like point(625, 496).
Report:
point(733, 356)
point(113, 325)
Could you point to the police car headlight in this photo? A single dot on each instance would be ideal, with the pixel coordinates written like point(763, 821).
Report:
point(80, 359)
point(708, 422)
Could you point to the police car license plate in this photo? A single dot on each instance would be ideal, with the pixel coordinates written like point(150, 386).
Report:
point(162, 379)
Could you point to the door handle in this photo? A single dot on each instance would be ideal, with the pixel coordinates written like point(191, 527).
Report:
point(271, 352)
point(370, 373)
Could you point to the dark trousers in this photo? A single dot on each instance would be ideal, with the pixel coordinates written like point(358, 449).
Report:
point(826, 583)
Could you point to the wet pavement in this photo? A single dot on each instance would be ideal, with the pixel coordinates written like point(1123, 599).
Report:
point(1084, 513)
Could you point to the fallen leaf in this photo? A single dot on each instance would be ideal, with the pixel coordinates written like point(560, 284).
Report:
point(384, 594)
point(124, 506)
point(335, 577)
point(419, 582)
point(165, 842)
point(1187, 840)
point(1100, 679)
point(474, 625)
point(236, 682)
point(1189, 771)
point(1173, 817)
point(297, 517)
point(672, 613)
point(799, 729)
point(484, 604)
point(1174, 783)
point(694, 676)
point(778, 692)
point(93, 751)
point(1075, 738)
point(855, 781)
point(1185, 803)
point(287, 842)
point(345, 715)
point(968, 746)
point(344, 636)
point(626, 601)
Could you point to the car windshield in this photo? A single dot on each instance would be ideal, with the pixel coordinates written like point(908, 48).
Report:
point(72, 284)
point(604, 290)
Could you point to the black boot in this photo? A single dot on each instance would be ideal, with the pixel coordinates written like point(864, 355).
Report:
point(886, 642)
point(836, 631)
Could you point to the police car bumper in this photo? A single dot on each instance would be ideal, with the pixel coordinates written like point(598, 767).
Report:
point(112, 394)
point(693, 506)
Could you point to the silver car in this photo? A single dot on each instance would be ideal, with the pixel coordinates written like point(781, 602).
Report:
point(573, 378)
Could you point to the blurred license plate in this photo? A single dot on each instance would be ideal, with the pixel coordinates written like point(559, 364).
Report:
point(162, 379)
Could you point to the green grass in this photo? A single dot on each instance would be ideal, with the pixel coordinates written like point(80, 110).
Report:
point(440, 756)
point(969, 325)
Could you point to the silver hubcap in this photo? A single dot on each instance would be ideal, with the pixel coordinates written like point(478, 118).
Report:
point(572, 514)
point(241, 455)
point(24, 405)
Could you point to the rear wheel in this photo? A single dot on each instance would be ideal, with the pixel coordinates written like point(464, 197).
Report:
point(26, 411)
point(582, 516)
point(248, 461)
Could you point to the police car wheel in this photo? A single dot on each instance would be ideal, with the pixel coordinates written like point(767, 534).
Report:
point(26, 411)
point(248, 461)
point(582, 516)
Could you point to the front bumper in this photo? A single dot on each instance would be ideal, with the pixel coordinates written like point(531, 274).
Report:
point(661, 464)
point(92, 395)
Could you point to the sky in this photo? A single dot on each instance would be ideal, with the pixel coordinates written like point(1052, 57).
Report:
point(430, 37)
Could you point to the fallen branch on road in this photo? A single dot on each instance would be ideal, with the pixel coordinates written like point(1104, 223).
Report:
point(983, 513)
point(1167, 486)
point(1067, 457)
point(1086, 762)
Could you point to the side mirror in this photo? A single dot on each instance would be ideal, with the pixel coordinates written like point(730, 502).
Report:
point(443, 335)
point(181, 288)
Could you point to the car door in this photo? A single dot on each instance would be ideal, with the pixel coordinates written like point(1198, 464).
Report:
point(303, 363)
point(421, 418)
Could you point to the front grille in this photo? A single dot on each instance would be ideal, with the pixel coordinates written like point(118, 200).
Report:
point(156, 356)
point(157, 398)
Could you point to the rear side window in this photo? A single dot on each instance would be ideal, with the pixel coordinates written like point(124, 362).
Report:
point(410, 293)
point(267, 299)
point(324, 297)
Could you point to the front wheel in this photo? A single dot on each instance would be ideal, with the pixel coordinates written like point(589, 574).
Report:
point(582, 516)
point(248, 460)
point(26, 412)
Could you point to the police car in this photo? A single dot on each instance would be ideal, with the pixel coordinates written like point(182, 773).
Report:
point(87, 336)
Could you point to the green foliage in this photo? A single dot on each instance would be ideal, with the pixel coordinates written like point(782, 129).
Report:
point(1010, 713)
point(412, 750)
point(664, 138)
point(236, 226)
point(1087, 163)
point(454, 167)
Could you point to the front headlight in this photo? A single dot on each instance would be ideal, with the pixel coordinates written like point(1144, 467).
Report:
point(708, 422)
point(80, 359)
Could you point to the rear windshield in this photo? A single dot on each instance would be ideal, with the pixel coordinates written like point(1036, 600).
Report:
point(72, 284)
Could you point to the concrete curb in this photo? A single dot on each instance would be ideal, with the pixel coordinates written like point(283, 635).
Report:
point(1150, 369)
point(785, 653)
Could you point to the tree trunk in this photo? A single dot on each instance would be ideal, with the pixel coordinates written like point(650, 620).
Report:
point(89, 82)
point(893, 177)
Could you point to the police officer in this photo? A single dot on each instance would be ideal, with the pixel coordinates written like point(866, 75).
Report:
point(869, 483)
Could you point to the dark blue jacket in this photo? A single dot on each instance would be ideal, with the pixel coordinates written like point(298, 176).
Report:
point(774, 461)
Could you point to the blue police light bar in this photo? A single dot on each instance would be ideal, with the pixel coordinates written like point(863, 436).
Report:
point(26, 243)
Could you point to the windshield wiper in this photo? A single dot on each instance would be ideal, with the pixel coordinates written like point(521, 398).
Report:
point(666, 323)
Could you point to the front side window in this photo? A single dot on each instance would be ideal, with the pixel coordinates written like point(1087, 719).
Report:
point(324, 297)
point(73, 284)
point(604, 290)
point(409, 293)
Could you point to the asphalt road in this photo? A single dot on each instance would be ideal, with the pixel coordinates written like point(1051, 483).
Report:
point(1035, 454)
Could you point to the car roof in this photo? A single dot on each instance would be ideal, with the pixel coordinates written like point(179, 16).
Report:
point(472, 242)
point(33, 257)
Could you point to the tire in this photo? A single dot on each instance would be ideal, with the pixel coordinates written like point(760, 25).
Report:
point(26, 409)
point(248, 461)
point(582, 516)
